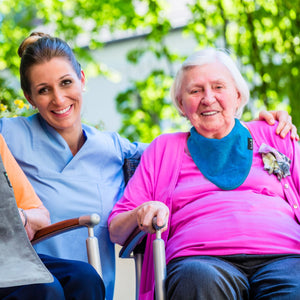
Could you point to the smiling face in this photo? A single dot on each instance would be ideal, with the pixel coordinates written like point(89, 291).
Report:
point(56, 91)
point(209, 99)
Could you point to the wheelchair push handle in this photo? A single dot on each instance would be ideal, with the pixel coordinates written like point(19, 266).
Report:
point(155, 226)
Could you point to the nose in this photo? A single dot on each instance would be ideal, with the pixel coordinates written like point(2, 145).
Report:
point(208, 97)
point(58, 97)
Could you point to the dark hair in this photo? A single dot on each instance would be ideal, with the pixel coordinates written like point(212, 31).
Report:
point(38, 48)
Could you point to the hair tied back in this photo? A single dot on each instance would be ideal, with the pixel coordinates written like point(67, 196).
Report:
point(34, 36)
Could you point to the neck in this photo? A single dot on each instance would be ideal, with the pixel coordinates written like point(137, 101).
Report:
point(218, 134)
point(77, 146)
point(74, 138)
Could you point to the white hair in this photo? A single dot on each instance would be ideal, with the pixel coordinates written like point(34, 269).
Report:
point(207, 56)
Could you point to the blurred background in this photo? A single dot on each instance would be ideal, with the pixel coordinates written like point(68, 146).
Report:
point(131, 49)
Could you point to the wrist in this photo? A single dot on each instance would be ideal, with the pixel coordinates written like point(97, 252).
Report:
point(23, 213)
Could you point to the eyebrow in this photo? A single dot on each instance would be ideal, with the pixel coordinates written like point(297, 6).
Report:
point(40, 85)
point(60, 78)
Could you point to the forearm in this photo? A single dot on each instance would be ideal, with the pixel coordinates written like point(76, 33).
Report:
point(122, 225)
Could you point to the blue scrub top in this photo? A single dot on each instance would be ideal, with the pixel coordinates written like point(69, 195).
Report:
point(90, 182)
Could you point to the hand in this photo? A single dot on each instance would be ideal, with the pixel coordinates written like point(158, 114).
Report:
point(285, 124)
point(147, 211)
point(34, 219)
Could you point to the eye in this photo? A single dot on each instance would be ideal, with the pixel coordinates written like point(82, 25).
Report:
point(66, 82)
point(43, 90)
point(218, 86)
point(196, 90)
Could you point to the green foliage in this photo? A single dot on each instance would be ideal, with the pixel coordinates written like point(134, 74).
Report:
point(262, 35)
point(146, 109)
point(79, 22)
point(9, 107)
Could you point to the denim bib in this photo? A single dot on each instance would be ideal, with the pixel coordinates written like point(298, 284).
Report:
point(225, 162)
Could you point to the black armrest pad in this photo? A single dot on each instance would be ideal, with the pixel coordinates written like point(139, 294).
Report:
point(137, 235)
point(132, 242)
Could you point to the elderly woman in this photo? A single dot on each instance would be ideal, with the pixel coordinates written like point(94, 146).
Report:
point(228, 192)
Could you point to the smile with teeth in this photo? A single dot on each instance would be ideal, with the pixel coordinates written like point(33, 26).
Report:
point(209, 113)
point(60, 112)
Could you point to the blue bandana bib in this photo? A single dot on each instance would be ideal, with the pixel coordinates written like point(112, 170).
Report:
point(225, 162)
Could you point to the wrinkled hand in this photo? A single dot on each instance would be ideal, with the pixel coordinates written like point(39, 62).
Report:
point(147, 211)
point(285, 124)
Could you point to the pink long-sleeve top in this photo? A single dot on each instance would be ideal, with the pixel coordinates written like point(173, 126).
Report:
point(259, 217)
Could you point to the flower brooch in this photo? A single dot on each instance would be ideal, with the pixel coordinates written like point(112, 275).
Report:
point(275, 162)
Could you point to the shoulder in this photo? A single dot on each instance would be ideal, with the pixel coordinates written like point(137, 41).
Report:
point(167, 142)
point(261, 126)
point(98, 135)
point(265, 133)
point(18, 123)
point(4, 122)
point(262, 129)
point(104, 140)
point(19, 130)
point(168, 138)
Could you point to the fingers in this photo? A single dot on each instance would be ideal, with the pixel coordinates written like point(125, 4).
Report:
point(162, 217)
point(283, 128)
point(294, 133)
point(148, 211)
point(267, 116)
point(285, 124)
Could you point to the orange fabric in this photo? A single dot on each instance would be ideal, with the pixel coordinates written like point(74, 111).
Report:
point(25, 195)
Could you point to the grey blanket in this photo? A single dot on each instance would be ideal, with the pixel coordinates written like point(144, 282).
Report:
point(19, 263)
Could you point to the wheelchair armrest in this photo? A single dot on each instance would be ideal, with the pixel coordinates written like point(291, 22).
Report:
point(54, 229)
point(132, 242)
